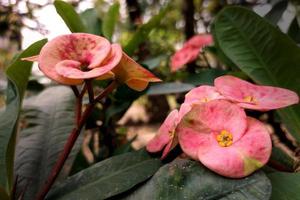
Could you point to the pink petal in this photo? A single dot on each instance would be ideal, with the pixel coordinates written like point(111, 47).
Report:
point(163, 136)
point(81, 47)
point(243, 157)
point(264, 97)
point(190, 51)
point(221, 115)
point(134, 75)
point(202, 94)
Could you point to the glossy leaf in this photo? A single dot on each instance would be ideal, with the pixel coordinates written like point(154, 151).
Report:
point(143, 31)
point(169, 88)
point(49, 119)
point(70, 16)
point(107, 178)
point(185, 179)
point(109, 21)
point(285, 186)
point(92, 21)
point(18, 74)
point(260, 50)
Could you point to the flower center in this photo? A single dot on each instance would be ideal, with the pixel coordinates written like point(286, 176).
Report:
point(205, 100)
point(224, 138)
point(250, 99)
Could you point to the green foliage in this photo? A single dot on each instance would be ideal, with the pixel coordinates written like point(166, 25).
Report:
point(143, 31)
point(70, 17)
point(49, 119)
point(276, 12)
point(110, 20)
point(108, 178)
point(169, 88)
point(281, 159)
point(18, 73)
point(185, 179)
point(204, 77)
point(260, 50)
point(285, 186)
point(294, 30)
point(92, 21)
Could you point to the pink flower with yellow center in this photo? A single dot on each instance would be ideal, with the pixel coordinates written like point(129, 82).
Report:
point(251, 96)
point(222, 138)
point(202, 94)
point(72, 58)
point(190, 51)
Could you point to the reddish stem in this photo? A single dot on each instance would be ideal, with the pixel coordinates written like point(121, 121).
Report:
point(71, 141)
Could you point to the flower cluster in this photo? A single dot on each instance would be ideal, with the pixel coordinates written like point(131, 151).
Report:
point(70, 59)
point(212, 127)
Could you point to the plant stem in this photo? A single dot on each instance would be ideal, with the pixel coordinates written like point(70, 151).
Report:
point(71, 140)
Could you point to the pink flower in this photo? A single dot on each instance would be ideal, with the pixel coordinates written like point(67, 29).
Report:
point(70, 59)
point(166, 138)
point(222, 138)
point(202, 94)
point(190, 51)
point(248, 95)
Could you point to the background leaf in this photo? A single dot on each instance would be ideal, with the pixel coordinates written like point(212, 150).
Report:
point(109, 21)
point(169, 88)
point(70, 16)
point(285, 186)
point(263, 52)
point(92, 21)
point(204, 77)
point(276, 12)
point(48, 119)
point(143, 31)
point(18, 74)
point(186, 179)
point(108, 178)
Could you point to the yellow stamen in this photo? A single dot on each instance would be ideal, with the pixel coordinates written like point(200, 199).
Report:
point(225, 138)
point(171, 134)
point(205, 100)
point(250, 99)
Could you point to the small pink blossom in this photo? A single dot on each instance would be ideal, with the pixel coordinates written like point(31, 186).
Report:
point(190, 51)
point(202, 94)
point(251, 96)
point(222, 138)
point(166, 138)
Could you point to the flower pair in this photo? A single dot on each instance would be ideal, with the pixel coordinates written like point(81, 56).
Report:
point(212, 126)
point(72, 58)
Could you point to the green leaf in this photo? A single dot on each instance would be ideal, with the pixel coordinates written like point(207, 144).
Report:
point(110, 20)
point(169, 88)
point(263, 52)
point(92, 21)
point(294, 30)
point(276, 12)
point(280, 159)
point(107, 178)
point(18, 74)
point(70, 16)
point(186, 179)
point(205, 77)
point(49, 119)
point(144, 30)
point(153, 63)
point(285, 186)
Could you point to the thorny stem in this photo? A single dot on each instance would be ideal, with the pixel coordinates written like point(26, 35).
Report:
point(72, 138)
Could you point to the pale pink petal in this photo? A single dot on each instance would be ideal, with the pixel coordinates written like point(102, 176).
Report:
point(80, 47)
point(183, 56)
point(225, 161)
point(131, 73)
point(221, 115)
point(252, 96)
point(202, 94)
point(255, 146)
point(199, 41)
point(165, 133)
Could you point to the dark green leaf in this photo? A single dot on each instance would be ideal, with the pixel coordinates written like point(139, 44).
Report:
point(263, 52)
point(125, 148)
point(107, 178)
point(70, 17)
point(49, 119)
point(294, 30)
point(205, 77)
point(285, 186)
point(92, 21)
point(143, 31)
point(276, 12)
point(280, 159)
point(185, 179)
point(169, 88)
point(18, 74)
point(152, 63)
point(109, 21)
